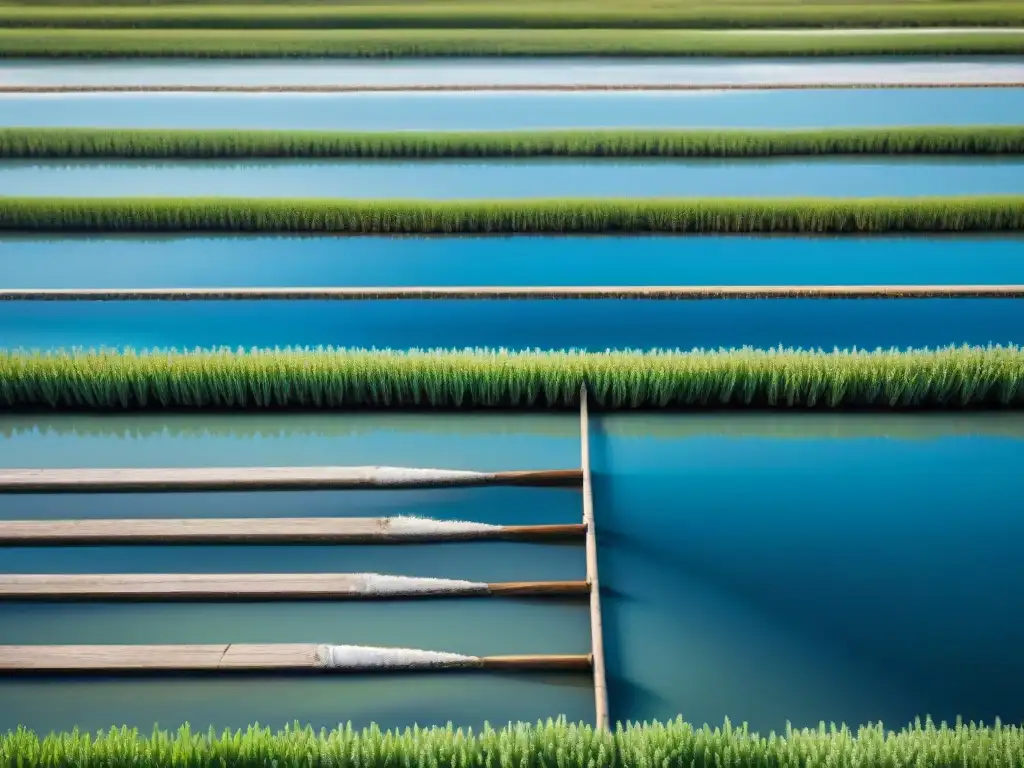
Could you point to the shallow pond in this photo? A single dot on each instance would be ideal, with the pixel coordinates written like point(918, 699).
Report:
point(469, 179)
point(129, 261)
point(733, 554)
point(534, 71)
point(548, 324)
point(837, 108)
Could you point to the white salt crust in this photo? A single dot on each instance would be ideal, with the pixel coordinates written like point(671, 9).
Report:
point(416, 526)
point(382, 584)
point(410, 475)
point(362, 657)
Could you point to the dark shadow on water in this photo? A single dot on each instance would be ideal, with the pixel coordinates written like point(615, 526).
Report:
point(625, 696)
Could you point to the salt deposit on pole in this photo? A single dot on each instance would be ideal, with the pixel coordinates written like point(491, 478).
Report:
point(267, 530)
point(266, 478)
point(361, 657)
point(255, 657)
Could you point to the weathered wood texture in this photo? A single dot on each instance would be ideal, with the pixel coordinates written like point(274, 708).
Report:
point(284, 530)
point(512, 87)
point(262, 586)
point(267, 478)
point(596, 626)
point(562, 662)
point(667, 292)
point(127, 658)
point(115, 659)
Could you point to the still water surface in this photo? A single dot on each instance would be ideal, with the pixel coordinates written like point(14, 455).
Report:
point(129, 261)
point(548, 324)
point(733, 552)
point(533, 71)
point(469, 626)
point(838, 108)
point(783, 177)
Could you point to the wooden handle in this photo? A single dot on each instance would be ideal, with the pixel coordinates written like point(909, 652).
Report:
point(263, 586)
point(579, 662)
point(242, 657)
point(268, 530)
point(540, 532)
point(540, 588)
point(545, 477)
point(483, 293)
point(509, 87)
point(267, 478)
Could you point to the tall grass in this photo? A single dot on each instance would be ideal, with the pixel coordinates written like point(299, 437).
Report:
point(680, 216)
point(24, 143)
point(557, 14)
point(555, 743)
point(336, 378)
point(387, 43)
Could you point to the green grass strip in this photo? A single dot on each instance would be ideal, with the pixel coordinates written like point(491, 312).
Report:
point(353, 43)
point(556, 743)
point(954, 377)
point(31, 143)
point(672, 745)
point(558, 14)
point(680, 216)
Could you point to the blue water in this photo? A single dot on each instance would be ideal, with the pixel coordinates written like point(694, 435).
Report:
point(859, 572)
point(482, 626)
point(815, 177)
point(531, 71)
point(509, 111)
point(549, 324)
point(196, 261)
point(817, 578)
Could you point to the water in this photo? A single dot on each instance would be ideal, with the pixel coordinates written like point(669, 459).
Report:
point(468, 179)
point(845, 578)
point(535, 71)
point(858, 573)
point(750, 600)
point(128, 261)
point(839, 108)
point(549, 324)
point(483, 626)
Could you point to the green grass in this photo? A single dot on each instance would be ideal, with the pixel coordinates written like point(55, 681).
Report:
point(336, 378)
point(679, 216)
point(358, 43)
point(25, 143)
point(557, 14)
point(673, 745)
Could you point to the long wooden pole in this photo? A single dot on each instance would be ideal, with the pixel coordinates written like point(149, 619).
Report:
point(271, 530)
point(596, 631)
point(267, 478)
point(122, 659)
point(512, 87)
point(442, 293)
point(265, 586)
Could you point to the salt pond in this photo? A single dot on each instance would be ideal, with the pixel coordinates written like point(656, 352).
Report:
point(468, 179)
point(732, 553)
point(768, 568)
point(130, 261)
point(548, 324)
point(534, 71)
point(839, 108)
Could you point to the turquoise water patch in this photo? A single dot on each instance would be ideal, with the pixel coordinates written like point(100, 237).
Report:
point(762, 567)
point(805, 568)
point(597, 324)
point(460, 180)
point(129, 261)
point(837, 108)
point(591, 70)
